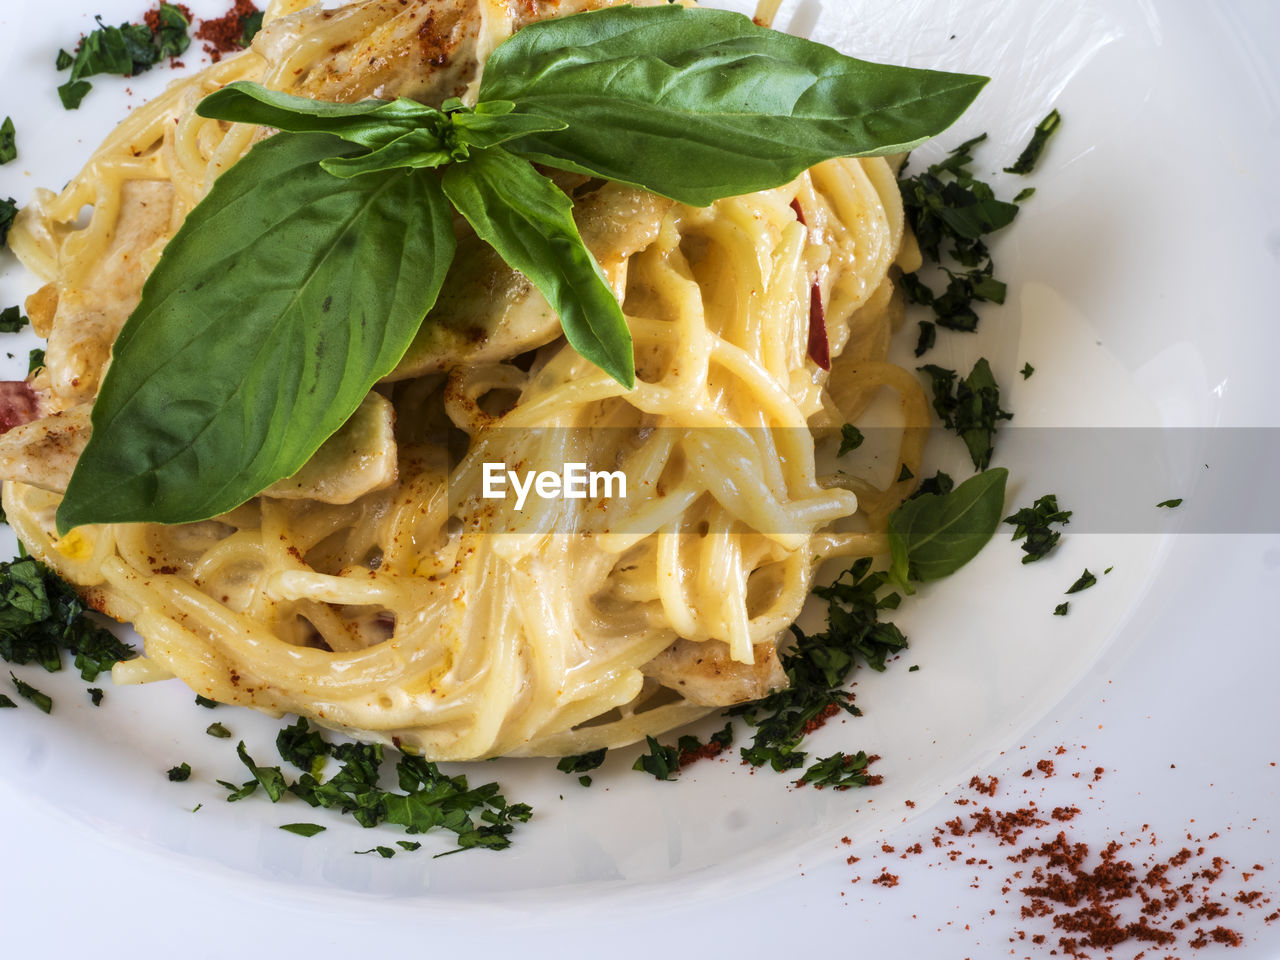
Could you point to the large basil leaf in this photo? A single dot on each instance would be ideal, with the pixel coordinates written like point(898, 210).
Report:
point(934, 535)
point(697, 104)
point(283, 298)
point(370, 123)
point(529, 221)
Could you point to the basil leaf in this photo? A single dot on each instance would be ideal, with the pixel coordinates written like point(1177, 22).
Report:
point(698, 104)
point(488, 128)
point(529, 221)
point(370, 123)
point(933, 536)
point(285, 295)
point(415, 150)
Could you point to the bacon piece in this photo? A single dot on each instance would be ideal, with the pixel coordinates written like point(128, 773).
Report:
point(18, 404)
point(819, 346)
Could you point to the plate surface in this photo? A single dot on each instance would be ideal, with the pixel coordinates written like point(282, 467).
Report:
point(1141, 289)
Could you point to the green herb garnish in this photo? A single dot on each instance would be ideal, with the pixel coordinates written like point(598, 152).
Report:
point(218, 730)
point(1027, 160)
point(303, 747)
point(303, 829)
point(933, 536)
point(8, 141)
point(41, 615)
point(581, 763)
point(661, 762)
point(946, 205)
point(386, 853)
point(126, 50)
point(905, 474)
point(940, 483)
point(6, 702)
point(95, 696)
point(8, 210)
point(1026, 371)
point(42, 700)
point(1085, 581)
point(1170, 503)
point(1033, 524)
point(840, 771)
point(341, 229)
point(970, 407)
point(35, 360)
point(180, 773)
point(1061, 609)
point(205, 702)
point(818, 666)
point(850, 439)
point(12, 320)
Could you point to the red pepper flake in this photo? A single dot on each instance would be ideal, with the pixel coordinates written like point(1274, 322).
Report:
point(225, 34)
point(1094, 897)
point(987, 787)
point(827, 712)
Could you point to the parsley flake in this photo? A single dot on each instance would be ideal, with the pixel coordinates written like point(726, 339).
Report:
point(1030, 155)
point(12, 320)
point(840, 771)
point(41, 700)
point(970, 407)
point(1085, 581)
point(205, 702)
point(1170, 503)
point(218, 730)
point(180, 773)
point(661, 762)
point(5, 702)
point(1061, 609)
point(850, 439)
point(8, 210)
point(1033, 524)
point(95, 696)
point(8, 141)
point(303, 829)
point(1026, 371)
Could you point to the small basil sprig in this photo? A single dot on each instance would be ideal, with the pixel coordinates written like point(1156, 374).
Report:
point(934, 535)
point(302, 277)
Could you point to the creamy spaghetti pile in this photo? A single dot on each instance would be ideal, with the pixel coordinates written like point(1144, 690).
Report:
point(378, 592)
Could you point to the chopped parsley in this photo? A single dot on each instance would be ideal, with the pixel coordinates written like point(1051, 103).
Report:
point(1025, 194)
point(661, 762)
point(940, 483)
point(1085, 581)
point(205, 702)
point(8, 141)
point(5, 702)
point(303, 829)
point(35, 360)
point(303, 747)
point(95, 696)
point(840, 771)
point(8, 210)
point(1061, 609)
point(1033, 524)
point(386, 853)
point(40, 616)
point(180, 773)
point(1026, 371)
point(12, 320)
point(1030, 155)
point(1170, 503)
point(927, 338)
point(970, 407)
point(29, 693)
point(850, 439)
point(819, 664)
point(905, 474)
point(218, 730)
point(126, 50)
point(581, 763)
point(947, 205)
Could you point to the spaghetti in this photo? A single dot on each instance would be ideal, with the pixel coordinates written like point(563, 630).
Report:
point(379, 592)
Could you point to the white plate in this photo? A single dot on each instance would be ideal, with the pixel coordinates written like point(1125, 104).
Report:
point(1142, 278)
